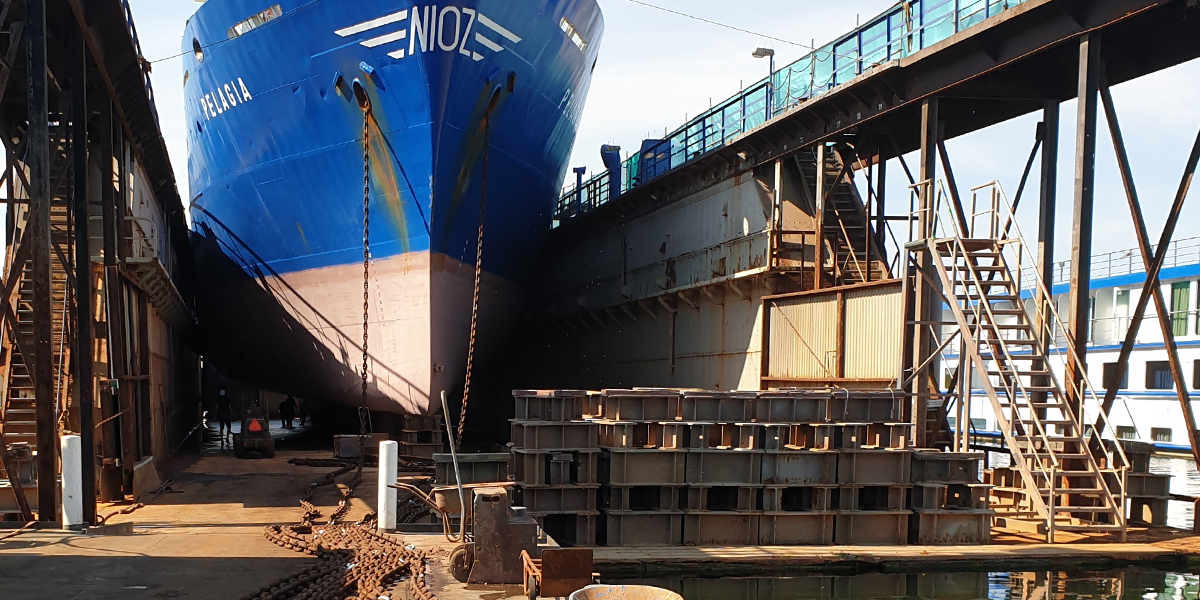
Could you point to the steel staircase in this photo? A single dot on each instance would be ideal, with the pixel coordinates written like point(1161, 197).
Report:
point(17, 401)
point(1059, 461)
point(846, 233)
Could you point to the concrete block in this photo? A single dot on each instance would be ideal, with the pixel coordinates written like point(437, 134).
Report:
point(741, 436)
point(720, 529)
point(929, 527)
point(559, 498)
point(642, 529)
point(541, 467)
point(145, 478)
point(549, 405)
point(641, 405)
point(791, 407)
point(799, 468)
point(798, 499)
point(931, 466)
point(474, 468)
point(633, 435)
point(724, 467)
point(644, 467)
point(871, 528)
point(874, 467)
point(872, 497)
point(723, 499)
point(555, 435)
point(796, 529)
point(718, 407)
point(643, 498)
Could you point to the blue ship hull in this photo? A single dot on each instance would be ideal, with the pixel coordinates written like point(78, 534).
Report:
point(276, 166)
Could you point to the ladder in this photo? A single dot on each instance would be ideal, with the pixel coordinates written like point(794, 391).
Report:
point(18, 405)
point(1060, 461)
point(852, 253)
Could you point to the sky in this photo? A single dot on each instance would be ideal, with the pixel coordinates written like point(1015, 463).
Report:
point(656, 69)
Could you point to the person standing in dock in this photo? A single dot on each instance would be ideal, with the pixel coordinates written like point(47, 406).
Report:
point(224, 416)
point(287, 412)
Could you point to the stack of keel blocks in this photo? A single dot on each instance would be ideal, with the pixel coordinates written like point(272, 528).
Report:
point(554, 461)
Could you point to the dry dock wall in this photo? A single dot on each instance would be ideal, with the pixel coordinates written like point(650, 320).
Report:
point(672, 297)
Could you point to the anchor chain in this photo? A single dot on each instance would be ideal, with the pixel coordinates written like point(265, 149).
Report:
point(462, 417)
point(363, 414)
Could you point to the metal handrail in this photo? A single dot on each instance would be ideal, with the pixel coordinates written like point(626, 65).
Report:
point(1085, 388)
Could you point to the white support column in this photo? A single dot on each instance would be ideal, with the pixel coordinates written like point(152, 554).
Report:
point(389, 452)
point(72, 482)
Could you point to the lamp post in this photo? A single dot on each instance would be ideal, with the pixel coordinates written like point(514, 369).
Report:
point(768, 53)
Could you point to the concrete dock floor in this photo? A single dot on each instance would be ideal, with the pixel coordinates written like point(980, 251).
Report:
point(204, 539)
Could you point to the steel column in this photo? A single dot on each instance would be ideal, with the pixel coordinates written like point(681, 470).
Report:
point(83, 277)
point(38, 163)
point(927, 298)
point(1079, 319)
point(1048, 199)
point(113, 480)
point(819, 255)
point(1151, 287)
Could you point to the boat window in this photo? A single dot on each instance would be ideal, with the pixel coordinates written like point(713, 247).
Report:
point(573, 34)
point(1126, 433)
point(1181, 304)
point(1160, 434)
point(1110, 373)
point(1196, 375)
point(197, 50)
point(255, 21)
point(1158, 375)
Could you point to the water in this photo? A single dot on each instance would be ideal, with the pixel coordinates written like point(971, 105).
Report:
point(1117, 585)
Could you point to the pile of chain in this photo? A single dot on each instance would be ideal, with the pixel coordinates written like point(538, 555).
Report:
point(356, 562)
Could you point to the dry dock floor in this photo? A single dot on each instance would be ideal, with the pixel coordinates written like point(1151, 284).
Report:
point(204, 539)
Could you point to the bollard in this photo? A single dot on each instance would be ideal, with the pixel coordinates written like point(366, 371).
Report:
point(72, 482)
point(389, 453)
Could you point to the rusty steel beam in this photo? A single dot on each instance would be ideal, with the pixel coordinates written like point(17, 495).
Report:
point(1079, 319)
point(819, 209)
point(961, 212)
point(38, 163)
point(82, 276)
point(926, 297)
point(1048, 199)
point(1151, 288)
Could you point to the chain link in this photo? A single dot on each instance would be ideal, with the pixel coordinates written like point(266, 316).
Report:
point(366, 233)
point(462, 417)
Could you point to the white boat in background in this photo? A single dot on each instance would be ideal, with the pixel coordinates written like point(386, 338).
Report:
point(1147, 407)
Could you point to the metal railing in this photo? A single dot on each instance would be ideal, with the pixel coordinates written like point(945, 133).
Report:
point(945, 222)
point(1124, 262)
point(142, 68)
point(908, 27)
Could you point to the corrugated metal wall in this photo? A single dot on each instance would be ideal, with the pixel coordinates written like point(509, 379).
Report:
point(803, 342)
point(873, 332)
point(804, 331)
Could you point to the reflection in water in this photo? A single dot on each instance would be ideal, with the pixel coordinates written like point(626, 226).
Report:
point(1115, 585)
